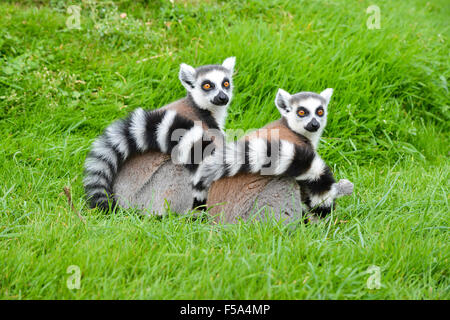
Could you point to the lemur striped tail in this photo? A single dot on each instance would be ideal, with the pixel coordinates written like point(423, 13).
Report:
point(259, 155)
point(276, 158)
point(141, 131)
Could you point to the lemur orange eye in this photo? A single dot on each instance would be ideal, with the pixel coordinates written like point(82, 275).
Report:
point(226, 84)
point(320, 112)
point(206, 86)
point(301, 113)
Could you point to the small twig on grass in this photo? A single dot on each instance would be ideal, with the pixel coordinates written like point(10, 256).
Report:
point(69, 200)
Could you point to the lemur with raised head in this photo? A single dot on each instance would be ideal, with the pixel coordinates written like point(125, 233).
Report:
point(285, 147)
point(209, 93)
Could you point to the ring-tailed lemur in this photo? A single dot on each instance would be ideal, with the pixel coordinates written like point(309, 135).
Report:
point(284, 147)
point(192, 118)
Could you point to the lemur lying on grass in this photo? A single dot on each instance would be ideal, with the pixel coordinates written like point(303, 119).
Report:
point(286, 147)
point(204, 108)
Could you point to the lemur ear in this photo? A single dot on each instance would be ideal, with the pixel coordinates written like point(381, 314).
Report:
point(229, 63)
point(282, 101)
point(327, 94)
point(187, 76)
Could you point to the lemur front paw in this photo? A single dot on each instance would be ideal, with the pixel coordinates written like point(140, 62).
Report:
point(199, 204)
point(344, 187)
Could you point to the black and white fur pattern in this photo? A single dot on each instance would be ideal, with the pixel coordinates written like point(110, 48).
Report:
point(285, 147)
point(144, 130)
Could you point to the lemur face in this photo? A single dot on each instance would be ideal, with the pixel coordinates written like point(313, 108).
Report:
point(210, 86)
point(305, 112)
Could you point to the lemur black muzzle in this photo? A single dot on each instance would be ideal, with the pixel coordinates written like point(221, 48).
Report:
point(221, 99)
point(313, 125)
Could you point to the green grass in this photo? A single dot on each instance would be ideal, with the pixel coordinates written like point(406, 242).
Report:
point(387, 132)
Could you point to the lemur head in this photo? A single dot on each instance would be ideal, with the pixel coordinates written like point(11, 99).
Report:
point(305, 112)
point(210, 86)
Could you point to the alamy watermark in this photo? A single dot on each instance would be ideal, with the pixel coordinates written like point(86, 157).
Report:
point(74, 280)
point(192, 146)
point(374, 19)
point(374, 280)
point(74, 19)
point(104, 15)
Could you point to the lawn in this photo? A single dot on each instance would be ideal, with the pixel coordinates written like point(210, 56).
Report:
point(388, 132)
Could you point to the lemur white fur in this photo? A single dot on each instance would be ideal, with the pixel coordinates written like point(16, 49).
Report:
point(285, 147)
point(209, 93)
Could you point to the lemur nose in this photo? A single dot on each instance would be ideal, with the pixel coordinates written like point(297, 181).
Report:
point(221, 99)
point(313, 125)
